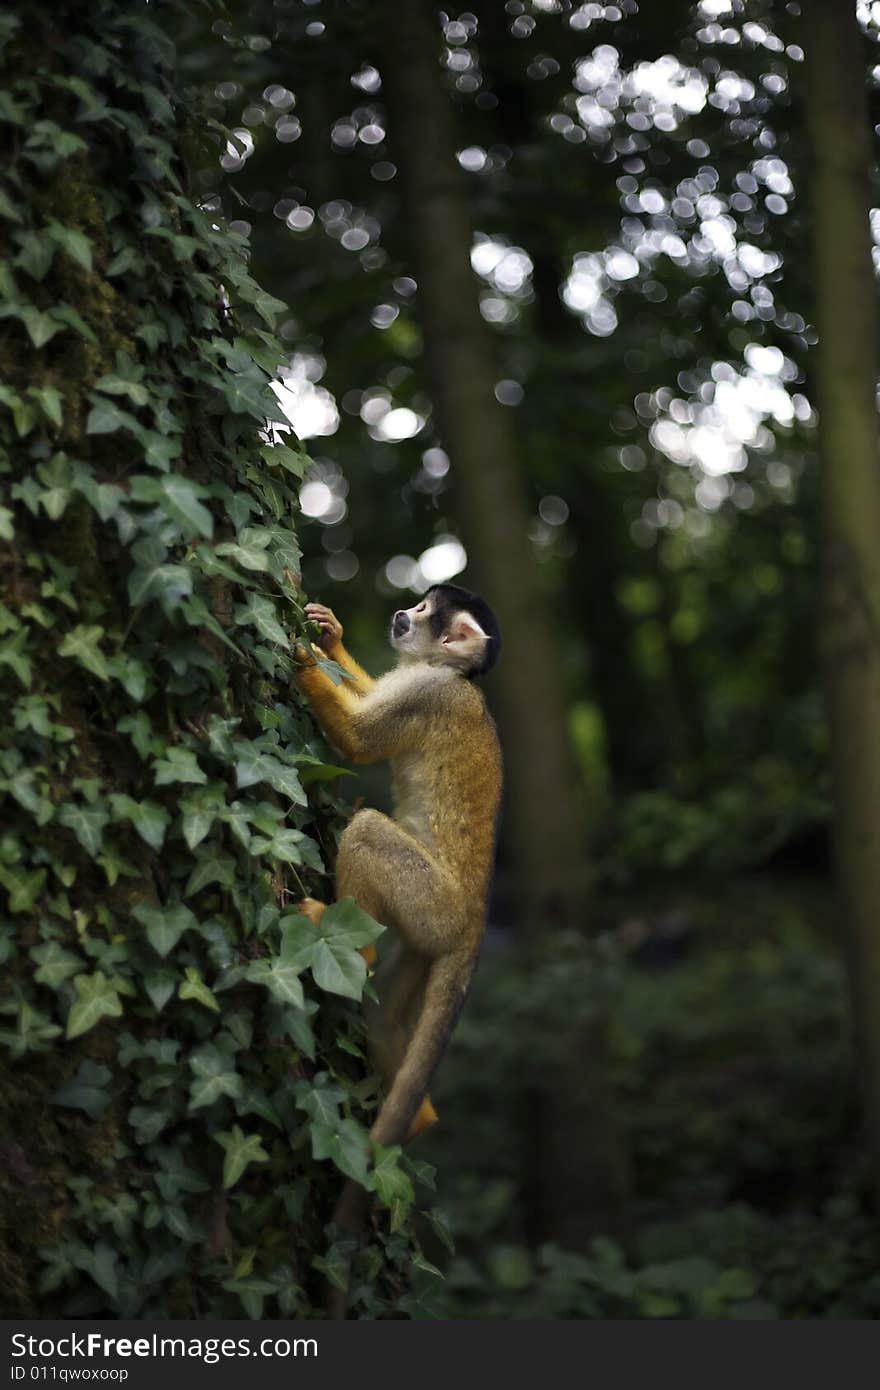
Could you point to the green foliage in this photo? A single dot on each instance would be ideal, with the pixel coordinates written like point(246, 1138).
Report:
point(187, 1071)
point(732, 1065)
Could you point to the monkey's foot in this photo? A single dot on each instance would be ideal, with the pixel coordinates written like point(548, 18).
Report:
point(311, 908)
point(424, 1118)
point(314, 910)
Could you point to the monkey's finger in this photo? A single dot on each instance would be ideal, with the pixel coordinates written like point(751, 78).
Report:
point(322, 615)
point(369, 955)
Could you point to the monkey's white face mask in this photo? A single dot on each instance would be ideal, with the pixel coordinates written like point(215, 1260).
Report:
point(457, 641)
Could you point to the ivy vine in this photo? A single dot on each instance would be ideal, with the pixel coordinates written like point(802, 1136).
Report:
point(187, 1079)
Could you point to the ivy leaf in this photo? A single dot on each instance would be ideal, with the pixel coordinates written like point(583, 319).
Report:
point(335, 1265)
point(290, 847)
point(259, 612)
point(160, 450)
point(55, 473)
point(23, 886)
point(345, 1145)
point(214, 1076)
point(322, 772)
point(159, 985)
point(85, 1091)
point(56, 964)
point(280, 978)
point(101, 1265)
point(289, 459)
point(199, 810)
point(114, 865)
point(294, 1023)
point(165, 925)
point(284, 779)
point(195, 988)
point(96, 999)
point(252, 1292)
point(241, 1150)
point(139, 728)
point(268, 307)
point(388, 1180)
point(33, 1030)
point(345, 922)
point(74, 242)
point(149, 819)
point(36, 255)
point(211, 868)
point(8, 208)
point(178, 765)
point(114, 385)
point(319, 1101)
point(133, 675)
point(155, 577)
point(441, 1229)
point(338, 969)
point(248, 764)
point(87, 824)
point(180, 500)
point(147, 1122)
point(81, 644)
point(12, 654)
point(105, 418)
point(250, 557)
point(41, 327)
point(66, 314)
point(236, 816)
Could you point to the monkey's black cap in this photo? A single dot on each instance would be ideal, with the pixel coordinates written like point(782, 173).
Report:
point(452, 598)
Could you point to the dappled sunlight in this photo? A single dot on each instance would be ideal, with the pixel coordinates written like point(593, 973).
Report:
point(310, 408)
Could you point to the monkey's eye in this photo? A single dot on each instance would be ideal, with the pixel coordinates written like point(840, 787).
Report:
point(422, 606)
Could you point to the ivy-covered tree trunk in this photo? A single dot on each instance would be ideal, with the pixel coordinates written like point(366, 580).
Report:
point(576, 1172)
point(847, 370)
point(182, 1085)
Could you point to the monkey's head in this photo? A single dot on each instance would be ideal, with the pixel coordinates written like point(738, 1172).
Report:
point(450, 626)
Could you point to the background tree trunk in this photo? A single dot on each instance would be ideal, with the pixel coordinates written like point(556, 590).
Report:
point(568, 1113)
point(847, 366)
point(544, 819)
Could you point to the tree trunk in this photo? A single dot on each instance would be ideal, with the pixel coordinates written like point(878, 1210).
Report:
point(544, 819)
point(157, 1079)
point(847, 367)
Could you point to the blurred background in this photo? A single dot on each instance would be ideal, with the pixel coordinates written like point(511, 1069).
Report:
point(552, 335)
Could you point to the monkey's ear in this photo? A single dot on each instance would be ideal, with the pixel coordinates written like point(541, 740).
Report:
point(464, 640)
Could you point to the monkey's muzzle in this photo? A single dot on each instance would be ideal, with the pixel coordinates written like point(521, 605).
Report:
point(400, 624)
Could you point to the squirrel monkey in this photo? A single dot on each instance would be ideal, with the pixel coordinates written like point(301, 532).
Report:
point(425, 873)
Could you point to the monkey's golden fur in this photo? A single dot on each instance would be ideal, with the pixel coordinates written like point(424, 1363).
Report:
point(424, 873)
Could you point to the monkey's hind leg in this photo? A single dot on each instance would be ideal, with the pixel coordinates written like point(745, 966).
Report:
point(391, 875)
point(314, 911)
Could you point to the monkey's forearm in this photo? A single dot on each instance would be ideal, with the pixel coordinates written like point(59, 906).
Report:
point(362, 681)
point(335, 708)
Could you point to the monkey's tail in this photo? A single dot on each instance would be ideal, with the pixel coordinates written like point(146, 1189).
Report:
point(444, 995)
point(445, 992)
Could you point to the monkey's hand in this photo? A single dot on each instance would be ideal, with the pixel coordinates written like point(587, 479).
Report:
point(331, 627)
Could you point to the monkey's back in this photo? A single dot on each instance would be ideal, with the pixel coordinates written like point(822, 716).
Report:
point(447, 787)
